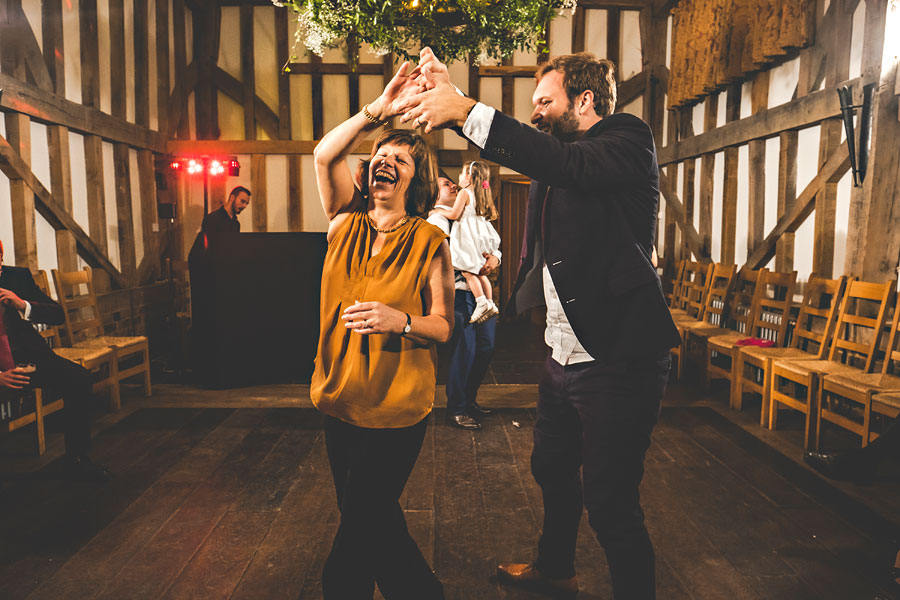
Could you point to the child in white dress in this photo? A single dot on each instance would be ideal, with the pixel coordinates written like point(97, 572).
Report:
point(472, 236)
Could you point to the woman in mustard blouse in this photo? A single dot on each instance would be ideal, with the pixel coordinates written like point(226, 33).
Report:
point(387, 299)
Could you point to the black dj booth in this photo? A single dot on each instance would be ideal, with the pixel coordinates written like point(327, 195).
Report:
point(255, 307)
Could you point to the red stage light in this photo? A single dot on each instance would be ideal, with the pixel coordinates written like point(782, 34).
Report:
point(234, 168)
point(216, 167)
point(175, 165)
point(194, 167)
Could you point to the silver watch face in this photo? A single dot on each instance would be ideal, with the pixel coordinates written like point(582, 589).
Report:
point(407, 328)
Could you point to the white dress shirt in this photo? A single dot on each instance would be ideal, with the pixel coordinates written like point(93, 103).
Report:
point(559, 335)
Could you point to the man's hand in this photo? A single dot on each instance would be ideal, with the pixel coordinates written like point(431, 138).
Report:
point(14, 378)
point(440, 105)
point(397, 92)
point(10, 298)
point(491, 262)
point(431, 71)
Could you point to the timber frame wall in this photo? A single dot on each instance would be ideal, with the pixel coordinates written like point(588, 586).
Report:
point(191, 85)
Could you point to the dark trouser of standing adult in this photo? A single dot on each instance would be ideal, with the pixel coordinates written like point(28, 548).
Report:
point(597, 416)
point(472, 347)
point(57, 376)
point(370, 468)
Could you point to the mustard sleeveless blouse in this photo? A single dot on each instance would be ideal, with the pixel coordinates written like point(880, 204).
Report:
point(376, 380)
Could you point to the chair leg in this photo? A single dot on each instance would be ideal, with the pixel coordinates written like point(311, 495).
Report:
point(867, 418)
point(706, 379)
point(815, 400)
point(147, 372)
point(40, 442)
point(773, 404)
point(766, 394)
point(115, 399)
point(737, 379)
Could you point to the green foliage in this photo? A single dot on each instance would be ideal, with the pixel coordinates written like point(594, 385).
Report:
point(453, 28)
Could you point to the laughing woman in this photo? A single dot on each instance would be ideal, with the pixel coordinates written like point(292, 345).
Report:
point(387, 299)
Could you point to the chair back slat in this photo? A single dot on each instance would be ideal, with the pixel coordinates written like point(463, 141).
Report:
point(720, 282)
point(858, 332)
point(742, 304)
point(818, 314)
point(48, 332)
point(675, 294)
point(696, 290)
point(774, 307)
point(82, 314)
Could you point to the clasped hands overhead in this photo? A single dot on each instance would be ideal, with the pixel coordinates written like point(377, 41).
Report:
point(434, 102)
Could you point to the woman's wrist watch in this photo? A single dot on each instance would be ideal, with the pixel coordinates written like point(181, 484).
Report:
point(408, 327)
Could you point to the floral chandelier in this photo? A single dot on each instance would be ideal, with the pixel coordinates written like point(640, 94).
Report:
point(453, 28)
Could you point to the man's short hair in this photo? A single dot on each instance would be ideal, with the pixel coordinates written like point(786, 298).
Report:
point(237, 190)
point(584, 71)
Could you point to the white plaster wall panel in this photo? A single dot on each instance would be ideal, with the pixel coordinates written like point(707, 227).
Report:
point(492, 91)
point(6, 224)
point(630, 44)
point(595, 29)
point(635, 107)
point(715, 250)
point(129, 61)
point(152, 65)
point(112, 214)
point(103, 39)
point(669, 22)
point(367, 56)
point(40, 153)
point(335, 100)
point(32, 10)
point(231, 118)
point(136, 216)
point(665, 128)
point(72, 50)
point(192, 192)
point(79, 180)
point(266, 56)
point(334, 55)
point(45, 237)
point(311, 214)
point(230, 41)
point(743, 205)
point(523, 58)
point(746, 99)
point(783, 81)
point(459, 74)
point(773, 150)
point(301, 107)
point(697, 175)
point(277, 193)
point(698, 117)
point(523, 91)
point(842, 218)
point(561, 34)
point(856, 42)
point(299, 53)
point(370, 87)
point(807, 168)
point(721, 108)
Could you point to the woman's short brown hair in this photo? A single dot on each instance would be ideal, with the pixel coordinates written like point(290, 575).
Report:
point(584, 71)
point(423, 188)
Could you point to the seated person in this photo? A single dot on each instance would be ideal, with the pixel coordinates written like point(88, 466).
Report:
point(21, 304)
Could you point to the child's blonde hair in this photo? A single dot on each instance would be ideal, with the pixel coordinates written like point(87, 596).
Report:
point(479, 177)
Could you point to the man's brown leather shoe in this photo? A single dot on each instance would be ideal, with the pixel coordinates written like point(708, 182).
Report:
point(526, 576)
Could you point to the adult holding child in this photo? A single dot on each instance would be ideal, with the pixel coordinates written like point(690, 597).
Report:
point(386, 300)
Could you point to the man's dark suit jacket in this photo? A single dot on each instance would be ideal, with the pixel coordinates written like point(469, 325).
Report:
point(26, 343)
point(597, 233)
point(219, 220)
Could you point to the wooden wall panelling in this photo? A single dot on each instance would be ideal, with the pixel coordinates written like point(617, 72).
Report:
point(258, 186)
point(832, 171)
point(730, 191)
point(693, 240)
point(283, 47)
point(756, 176)
point(117, 77)
point(15, 168)
point(18, 131)
point(707, 178)
point(141, 39)
point(234, 89)
point(613, 38)
point(318, 114)
point(688, 187)
point(18, 34)
point(96, 191)
point(387, 73)
point(787, 197)
point(206, 19)
point(52, 39)
point(474, 79)
point(579, 23)
point(248, 72)
point(508, 87)
point(150, 263)
point(295, 193)
point(162, 64)
point(353, 76)
point(183, 84)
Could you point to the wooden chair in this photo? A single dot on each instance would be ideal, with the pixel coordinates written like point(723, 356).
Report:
point(26, 417)
point(718, 283)
point(795, 382)
point(694, 277)
point(674, 295)
point(842, 394)
point(84, 327)
point(809, 339)
point(741, 307)
point(101, 362)
point(768, 321)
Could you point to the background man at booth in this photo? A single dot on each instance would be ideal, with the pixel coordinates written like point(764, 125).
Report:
point(225, 218)
point(590, 226)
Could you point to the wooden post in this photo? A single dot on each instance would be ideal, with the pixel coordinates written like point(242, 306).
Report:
point(162, 65)
point(258, 185)
point(787, 197)
point(730, 191)
point(248, 71)
point(707, 177)
point(756, 177)
point(688, 186)
point(295, 193)
point(283, 47)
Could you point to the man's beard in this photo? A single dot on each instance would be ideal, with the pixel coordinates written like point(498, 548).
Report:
point(565, 128)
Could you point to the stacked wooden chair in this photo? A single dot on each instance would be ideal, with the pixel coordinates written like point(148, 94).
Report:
point(844, 394)
point(741, 307)
point(809, 340)
point(84, 328)
point(25, 398)
point(705, 307)
point(795, 382)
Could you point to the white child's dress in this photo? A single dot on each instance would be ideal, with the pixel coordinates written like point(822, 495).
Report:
point(471, 236)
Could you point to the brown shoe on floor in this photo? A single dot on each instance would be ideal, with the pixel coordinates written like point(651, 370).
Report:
point(526, 576)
